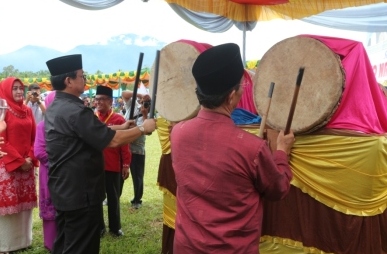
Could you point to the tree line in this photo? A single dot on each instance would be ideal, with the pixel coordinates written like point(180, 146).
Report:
point(11, 71)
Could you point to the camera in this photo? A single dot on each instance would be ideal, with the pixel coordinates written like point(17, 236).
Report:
point(146, 104)
point(35, 94)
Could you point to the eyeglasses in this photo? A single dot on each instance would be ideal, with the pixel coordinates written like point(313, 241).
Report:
point(83, 76)
point(101, 99)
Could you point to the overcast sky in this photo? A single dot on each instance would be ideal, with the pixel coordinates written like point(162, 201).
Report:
point(53, 24)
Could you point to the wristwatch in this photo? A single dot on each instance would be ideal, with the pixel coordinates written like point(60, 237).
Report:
point(142, 129)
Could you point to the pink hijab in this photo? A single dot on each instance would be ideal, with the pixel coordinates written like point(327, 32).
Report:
point(49, 98)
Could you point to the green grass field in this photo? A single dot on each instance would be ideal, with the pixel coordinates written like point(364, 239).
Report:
point(142, 227)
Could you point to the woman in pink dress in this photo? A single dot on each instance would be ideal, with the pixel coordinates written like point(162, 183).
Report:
point(46, 208)
point(17, 177)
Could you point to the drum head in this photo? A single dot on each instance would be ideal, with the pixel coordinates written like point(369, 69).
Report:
point(320, 91)
point(176, 98)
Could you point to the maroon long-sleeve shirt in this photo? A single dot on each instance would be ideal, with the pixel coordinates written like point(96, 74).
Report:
point(222, 174)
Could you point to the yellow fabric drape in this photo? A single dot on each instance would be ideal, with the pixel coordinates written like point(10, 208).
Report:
point(346, 173)
point(163, 132)
point(169, 208)
point(294, 9)
point(251, 128)
point(277, 245)
point(169, 200)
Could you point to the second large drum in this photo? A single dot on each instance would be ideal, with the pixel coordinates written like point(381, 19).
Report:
point(320, 92)
point(176, 98)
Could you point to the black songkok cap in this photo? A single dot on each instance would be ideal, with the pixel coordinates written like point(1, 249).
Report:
point(104, 90)
point(64, 64)
point(218, 69)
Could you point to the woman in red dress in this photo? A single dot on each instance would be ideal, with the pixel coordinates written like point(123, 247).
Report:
point(17, 177)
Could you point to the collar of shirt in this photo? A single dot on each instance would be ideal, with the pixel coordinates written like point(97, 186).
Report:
point(64, 95)
point(104, 117)
point(214, 116)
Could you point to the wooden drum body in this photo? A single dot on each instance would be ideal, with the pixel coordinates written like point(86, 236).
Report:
point(176, 98)
point(320, 92)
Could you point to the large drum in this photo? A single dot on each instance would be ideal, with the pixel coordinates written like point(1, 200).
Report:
point(176, 98)
point(320, 91)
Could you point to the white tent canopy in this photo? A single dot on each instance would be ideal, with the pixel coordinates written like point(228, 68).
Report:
point(366, 18)
point(92, 4)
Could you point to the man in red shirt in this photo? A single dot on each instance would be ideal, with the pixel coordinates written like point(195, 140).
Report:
point(117, 161)
point(223, 172)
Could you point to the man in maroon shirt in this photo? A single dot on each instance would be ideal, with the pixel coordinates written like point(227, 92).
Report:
point(117, 161)
point(222, 171)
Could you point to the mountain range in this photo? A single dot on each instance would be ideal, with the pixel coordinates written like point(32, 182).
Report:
point(119, 53)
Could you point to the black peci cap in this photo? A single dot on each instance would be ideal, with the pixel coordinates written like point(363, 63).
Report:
point(218, 69)
point(104, 90)
point(64, 64)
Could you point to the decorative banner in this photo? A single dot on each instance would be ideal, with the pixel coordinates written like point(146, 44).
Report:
point(112, 80)
point(251, 65)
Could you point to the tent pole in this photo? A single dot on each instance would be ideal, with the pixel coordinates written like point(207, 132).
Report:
point(119, 86)
point(244, 43)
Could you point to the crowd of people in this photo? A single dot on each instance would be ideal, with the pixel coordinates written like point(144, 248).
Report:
point(83, 155)
point(86, 152)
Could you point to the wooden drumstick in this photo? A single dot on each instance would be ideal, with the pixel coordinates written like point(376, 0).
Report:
point(155, 81)
point(264, 116)
point(135, 88)
point(294, 101)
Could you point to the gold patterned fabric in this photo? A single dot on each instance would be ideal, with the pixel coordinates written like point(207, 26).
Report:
point(338, 189)
point(169, 208)
point(346, 173)
point(277, 245)
point(163, 132)
point(167, 184)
